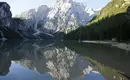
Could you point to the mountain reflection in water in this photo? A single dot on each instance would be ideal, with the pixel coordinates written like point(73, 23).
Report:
point(51, 60)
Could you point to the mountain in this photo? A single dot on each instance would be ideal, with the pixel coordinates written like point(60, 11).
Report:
point(67, 15)
point(64, 16)
point(16, 28)
point(112, 22)
point(44, 22)
point(34, 15)
point(6, 27)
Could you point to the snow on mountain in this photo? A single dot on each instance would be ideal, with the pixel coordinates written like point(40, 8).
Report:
point(90, 11)
point(67, 15)
point(64, 16)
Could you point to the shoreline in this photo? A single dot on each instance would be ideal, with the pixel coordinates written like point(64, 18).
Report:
point(119, 45)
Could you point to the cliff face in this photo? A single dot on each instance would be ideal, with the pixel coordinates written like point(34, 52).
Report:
point(6, 26)
point(44, 22)
point(5, 14)
point(16, 28)
point(64, 16)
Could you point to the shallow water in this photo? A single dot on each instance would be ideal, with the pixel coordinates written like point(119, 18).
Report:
point(68, 60)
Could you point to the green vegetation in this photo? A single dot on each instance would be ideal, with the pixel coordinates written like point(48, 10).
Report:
point(112, 22)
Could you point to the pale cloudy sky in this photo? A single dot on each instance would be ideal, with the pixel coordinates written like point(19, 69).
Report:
point(18, 6)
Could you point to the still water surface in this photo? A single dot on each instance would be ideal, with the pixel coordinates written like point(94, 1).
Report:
point(68, 60)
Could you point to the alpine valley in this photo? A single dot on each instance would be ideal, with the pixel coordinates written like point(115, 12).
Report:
point(45, 22)
point(68, 41)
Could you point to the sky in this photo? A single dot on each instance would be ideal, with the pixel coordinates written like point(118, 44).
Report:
point(18, 6)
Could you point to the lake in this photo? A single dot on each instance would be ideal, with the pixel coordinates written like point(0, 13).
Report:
point(62, 60)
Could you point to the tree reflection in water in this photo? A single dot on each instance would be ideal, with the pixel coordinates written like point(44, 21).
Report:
point(52, 58)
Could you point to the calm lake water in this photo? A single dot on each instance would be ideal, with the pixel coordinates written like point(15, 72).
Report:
point(68, 60)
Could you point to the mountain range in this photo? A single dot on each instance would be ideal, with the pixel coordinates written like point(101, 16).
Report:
point(44, 22)
point(64, 16)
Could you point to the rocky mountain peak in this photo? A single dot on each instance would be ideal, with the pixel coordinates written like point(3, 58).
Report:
point(64, 16)
point(42, 8)
point(5, 14)
point(7, 30)
point(4, 5)
point(64, 1)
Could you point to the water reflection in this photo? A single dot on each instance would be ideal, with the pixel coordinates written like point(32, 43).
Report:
point(50, 60)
